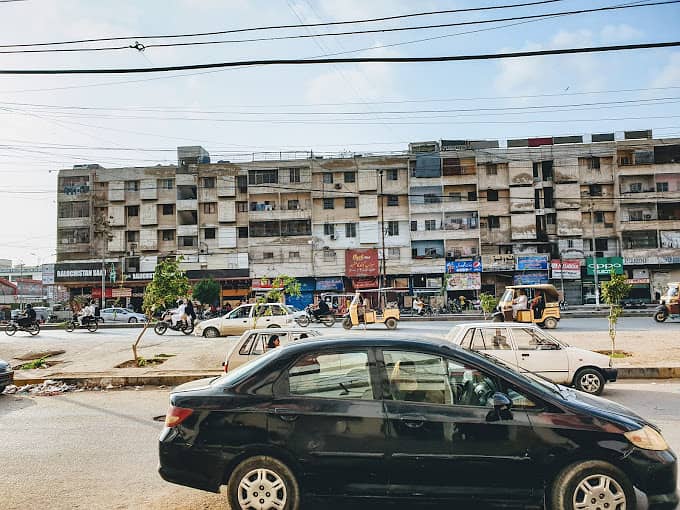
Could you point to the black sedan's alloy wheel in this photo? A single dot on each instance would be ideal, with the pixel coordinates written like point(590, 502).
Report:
point(262, 483)
point(592, 485)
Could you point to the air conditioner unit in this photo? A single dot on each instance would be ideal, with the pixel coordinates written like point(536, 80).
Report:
point(338, 185)
point(648, 216)
point(333, 237)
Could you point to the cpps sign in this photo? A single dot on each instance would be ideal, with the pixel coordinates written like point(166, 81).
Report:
point(605, 265)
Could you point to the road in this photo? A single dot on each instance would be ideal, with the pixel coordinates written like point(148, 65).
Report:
point(97, 450)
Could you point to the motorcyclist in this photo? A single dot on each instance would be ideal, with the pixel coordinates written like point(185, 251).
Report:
point(189, 310)
point(321, 310)
point(180, 313)
point(86, 314)
point(28, 317)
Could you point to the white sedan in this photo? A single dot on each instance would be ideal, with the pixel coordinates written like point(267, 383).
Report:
point(526, 347)
point(121, 315)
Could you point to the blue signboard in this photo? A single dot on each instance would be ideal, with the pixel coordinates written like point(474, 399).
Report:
point(330, 284)
point(307, 284)
point(464, 266)
point(532, 263)
point(530, 278)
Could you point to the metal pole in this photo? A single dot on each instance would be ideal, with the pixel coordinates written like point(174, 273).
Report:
point(594, 256)
point(564, 300)
point(382, 229)
point(101, 306)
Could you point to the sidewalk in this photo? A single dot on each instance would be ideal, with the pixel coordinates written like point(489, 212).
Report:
point(90, 359)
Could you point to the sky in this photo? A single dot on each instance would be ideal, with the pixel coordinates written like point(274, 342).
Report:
point(53, 122)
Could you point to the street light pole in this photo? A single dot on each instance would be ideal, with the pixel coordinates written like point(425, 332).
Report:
point(382, 230)
point(594, 256)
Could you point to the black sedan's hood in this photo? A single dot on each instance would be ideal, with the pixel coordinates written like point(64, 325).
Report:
point(604, 409)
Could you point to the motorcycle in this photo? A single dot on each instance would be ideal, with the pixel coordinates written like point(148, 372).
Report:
point(165, 323)
point(308, 317)
point(89, 323)
point(33, 328)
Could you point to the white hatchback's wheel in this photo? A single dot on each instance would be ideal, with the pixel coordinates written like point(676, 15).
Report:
point(263, 483)
point(589, 380)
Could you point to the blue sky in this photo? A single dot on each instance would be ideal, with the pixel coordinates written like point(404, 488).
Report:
point(279, 108)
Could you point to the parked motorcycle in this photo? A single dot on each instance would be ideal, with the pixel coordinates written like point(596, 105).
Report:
point(308, 317)
point(166, 323)
point(89, 323)
point(33, 328)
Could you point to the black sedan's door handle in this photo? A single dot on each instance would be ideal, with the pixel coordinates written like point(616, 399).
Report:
point(413, 422)
point(285, 414)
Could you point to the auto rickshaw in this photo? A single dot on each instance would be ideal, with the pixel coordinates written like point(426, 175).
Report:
point(669, 307)
point(545, 310)
point(360, 311)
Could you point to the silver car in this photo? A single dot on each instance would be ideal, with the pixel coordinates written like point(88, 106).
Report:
point(121, 315)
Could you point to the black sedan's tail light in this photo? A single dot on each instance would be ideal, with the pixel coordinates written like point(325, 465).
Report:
point(176, 415)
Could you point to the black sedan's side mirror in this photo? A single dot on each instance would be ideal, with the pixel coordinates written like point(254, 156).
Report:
point(501, 400)
point(501, 408)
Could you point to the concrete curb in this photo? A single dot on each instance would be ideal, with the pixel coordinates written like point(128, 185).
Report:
point(104, 379)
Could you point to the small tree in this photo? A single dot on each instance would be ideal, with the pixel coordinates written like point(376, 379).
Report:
point(613, 292)
point(169, 283)
point(282, 286)
point(488, 303)
point(207, 291)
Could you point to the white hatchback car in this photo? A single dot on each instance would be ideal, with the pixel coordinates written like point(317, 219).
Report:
point(526, 347)
point(255, 342)
point(244, 317)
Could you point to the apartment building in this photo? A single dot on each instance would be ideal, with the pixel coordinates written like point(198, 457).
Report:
point(486, 213)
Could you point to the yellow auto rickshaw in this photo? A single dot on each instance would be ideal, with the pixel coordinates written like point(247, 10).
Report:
point(669, 306)
point(537, 304)
point(361, 312)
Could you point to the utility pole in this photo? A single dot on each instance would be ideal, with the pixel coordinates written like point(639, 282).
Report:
point(103, 228)
point(594, 255)
point(383, 282)
point(564, 298)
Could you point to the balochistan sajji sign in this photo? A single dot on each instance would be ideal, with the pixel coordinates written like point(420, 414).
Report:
point(361, 263)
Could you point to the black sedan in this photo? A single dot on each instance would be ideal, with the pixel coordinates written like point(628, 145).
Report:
point(6, 375)
point(392, 418)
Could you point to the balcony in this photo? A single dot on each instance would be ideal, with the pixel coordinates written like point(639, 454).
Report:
point(430, 207)
point(460, 206)
point(73, 222)
point(73, 248)
point(187, 205)
point(187, 230)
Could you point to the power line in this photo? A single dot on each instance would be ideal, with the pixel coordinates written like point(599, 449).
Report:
point(315, 61)
point(140, 47)
point(279, 27)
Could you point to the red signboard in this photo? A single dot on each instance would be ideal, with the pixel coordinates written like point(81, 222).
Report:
point(568, 269)
point(97, 292)
point(362, 262)
point(364, 283)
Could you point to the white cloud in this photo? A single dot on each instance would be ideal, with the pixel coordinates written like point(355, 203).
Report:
point(670, 74)
point(611, 34)
point(564, 38)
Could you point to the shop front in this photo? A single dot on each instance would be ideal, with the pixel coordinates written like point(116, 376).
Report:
point(531, 269)
point(464, 279)
point(428, 287)
point(497, 273)
point(604, 267)
point(84, 280)
point(235, 284)
point(566, 277)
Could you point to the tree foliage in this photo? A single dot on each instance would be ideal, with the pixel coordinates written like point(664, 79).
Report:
point(207, 291)
point(169, 284)
point(488, 303)
point(613, 292)
point(282, 285)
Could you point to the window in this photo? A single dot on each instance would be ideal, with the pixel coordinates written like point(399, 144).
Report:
point(132, 210)
point(210, 208)
point(392, 174)
point(551, 219)
point(296, 228)
point(328, 229)
point(329, 255)
point(328, 203)
point(188, 241)
point(242, 312)
point(209, 233)
point(661, 187)
point(430, 198)
point(328, 178)
point(294, 175)
point(494, 222)
point(528, 339)
point(601, 244)
point(350, 177)
point(331, 375)
point(208, 182)
point(166, 183)
point(74, 209)
point(430, 224)
point(394, 253)
point(268, 255)
point(455, 196)
point(265, 229)
point(350, 229)
point(132, 236)
point(168, 209)
point(132, 186)
point(168, 235)
point(570, 243)
point(293, 255)
point(242, 183)
point(599, 217)
point(414, 226)
point(74, 236)
point(487, 339)
point(242, 232)
point(492, 195)
point(635, 215)
point(491, 169)
point(635, 187)
point(595, 190)
point(241, 207)
point(392, 200)
point(472, 196)
point(594, 163)
point(350, 203)
point(392, 228)
point(293, 205)
point(427, 378)
point(263, 177)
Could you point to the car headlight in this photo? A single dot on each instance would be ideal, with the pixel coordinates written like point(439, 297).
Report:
point(647, 438)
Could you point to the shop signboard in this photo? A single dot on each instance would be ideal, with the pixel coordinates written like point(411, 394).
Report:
point(48, 274)
point(536, 278)
point(136, 277)
point(433, 283)
point(567, 269)
point(532, 263)
point(82, 271)
point(363, 262)
point(400, 283)
point(327, 284)
point(465, 281)
point(498, 262)
point(120, 292)
point(637, 281)
point(605, 265)
point(365, 283)
point(464, 266)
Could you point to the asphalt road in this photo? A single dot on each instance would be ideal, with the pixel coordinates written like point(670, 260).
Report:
point(98, 450)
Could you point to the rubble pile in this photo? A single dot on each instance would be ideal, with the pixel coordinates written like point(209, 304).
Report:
point(46, 388)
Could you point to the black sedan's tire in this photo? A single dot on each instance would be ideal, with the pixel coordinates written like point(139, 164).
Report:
point(266, 481)
point(589, 380)
point(581, 483)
